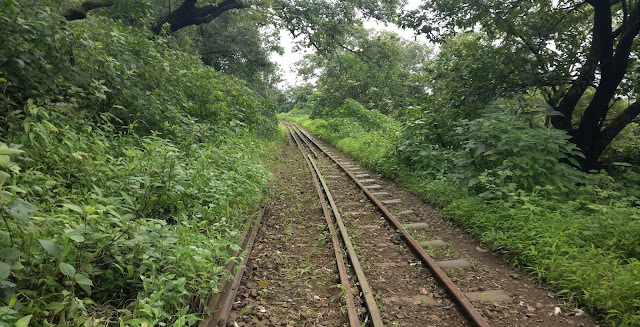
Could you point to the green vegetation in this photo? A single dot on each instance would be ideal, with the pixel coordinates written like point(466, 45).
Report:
point(135, 135)
point(581, 56)
point(378, 69)
point(127, 171)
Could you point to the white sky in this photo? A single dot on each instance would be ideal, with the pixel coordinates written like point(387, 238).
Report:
point(290, 57)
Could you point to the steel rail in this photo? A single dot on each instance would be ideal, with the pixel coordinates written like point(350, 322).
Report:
point(222, 302)
point(370, 301)
point(367, 293)
point(352, 313)
point(315, 155)
point(467, 308)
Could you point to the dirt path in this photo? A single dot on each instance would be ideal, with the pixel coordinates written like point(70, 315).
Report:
point(292, 280)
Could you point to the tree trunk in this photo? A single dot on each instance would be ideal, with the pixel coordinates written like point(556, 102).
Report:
point(612, 61)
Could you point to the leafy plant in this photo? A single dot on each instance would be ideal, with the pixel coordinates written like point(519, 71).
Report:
point(501, 148)
point(125, 178)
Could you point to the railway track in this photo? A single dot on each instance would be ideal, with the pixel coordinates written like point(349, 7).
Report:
point(388, 249)
point(390, 265)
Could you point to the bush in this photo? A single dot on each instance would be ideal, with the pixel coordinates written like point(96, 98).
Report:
point(499, 149)
point(127, 170)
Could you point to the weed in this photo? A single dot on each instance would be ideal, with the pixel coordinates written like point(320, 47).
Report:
point(246, 310)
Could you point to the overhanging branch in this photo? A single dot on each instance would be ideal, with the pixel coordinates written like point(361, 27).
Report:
point(188, 14)
point(85, 7)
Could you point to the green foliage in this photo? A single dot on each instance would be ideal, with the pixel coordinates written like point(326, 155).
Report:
point(351, 127)
point(236, 44)
point(537, 46)
point(379, 70)
point(468, 73)
point(420, 147)
point(127, 170)
point(500, 148)
point(326, 26)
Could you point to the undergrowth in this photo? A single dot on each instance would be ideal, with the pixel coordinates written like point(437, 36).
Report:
point(127, 171)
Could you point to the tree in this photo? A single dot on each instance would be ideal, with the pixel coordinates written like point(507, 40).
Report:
point(321, 24)
point(379, 70)
point(234, 44)
point(576, 46)
point(467, 74)
point(294, 95)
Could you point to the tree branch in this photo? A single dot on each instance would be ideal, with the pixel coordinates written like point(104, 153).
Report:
point(601, 31)
point(188, 14)
point(613, 68)
point(85, 7)
point(619, 122)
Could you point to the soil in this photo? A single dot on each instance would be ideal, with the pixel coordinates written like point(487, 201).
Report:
point(292, 280)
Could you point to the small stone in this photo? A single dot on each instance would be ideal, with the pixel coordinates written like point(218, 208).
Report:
point(355, 213)
point(406, 212)
point(434, 243)
point(482, 250)
point(417, 226)
point(459, 263)
point(488, 296)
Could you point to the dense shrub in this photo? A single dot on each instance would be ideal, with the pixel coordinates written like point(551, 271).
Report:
point(127, 170)
point(500, 148)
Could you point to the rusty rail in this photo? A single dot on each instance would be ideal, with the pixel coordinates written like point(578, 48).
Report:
point(304, 140)
point(352, 313)
point(221, 302)
point(467, 308)
point(370, 301)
